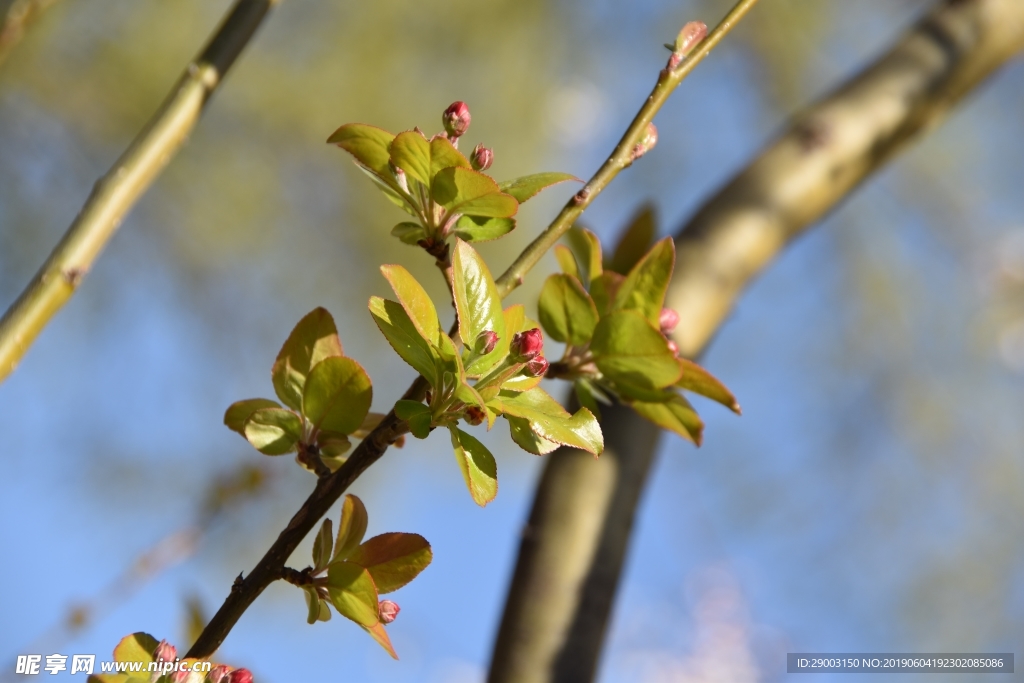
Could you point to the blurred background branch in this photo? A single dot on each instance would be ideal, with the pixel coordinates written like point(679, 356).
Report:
point(15, 18)
point(114, 195)
point(575, 541)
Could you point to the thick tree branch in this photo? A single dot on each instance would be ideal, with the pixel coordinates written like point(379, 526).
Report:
point(115, 194)
point(329, 489)
point(571, 554)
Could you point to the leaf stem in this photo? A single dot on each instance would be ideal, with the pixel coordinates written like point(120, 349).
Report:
point(624, 153)
point(131, 175)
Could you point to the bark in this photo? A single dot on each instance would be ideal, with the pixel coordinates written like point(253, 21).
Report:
point(575, 542)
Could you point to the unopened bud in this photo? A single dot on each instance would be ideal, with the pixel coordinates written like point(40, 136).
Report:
point(668, 320)
point(387, 611)
point(673, 347)
point(240, 676)
point(486, 342)
point(481, 158)
point(647, 142)
point(536, 367)
point(456, 119)
point(475, 415)
point(689, 37)
point(165, 652)
point(400, 177)
point(219, 674)
point(527, 345)
point(186, 676)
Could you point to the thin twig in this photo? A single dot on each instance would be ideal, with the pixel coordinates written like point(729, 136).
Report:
point(329, 489)
point(115, 194)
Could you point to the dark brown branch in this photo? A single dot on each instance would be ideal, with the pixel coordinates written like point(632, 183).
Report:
point(571, 555)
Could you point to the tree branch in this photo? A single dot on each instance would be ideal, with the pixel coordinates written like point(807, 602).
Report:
point(329, 489)
point(571, 555)
point(115, 194)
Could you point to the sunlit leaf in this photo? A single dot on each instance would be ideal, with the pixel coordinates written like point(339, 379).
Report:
point(634, 241)
point(338, 395)
point(526, 439)
point(676, 415)
point(566, 261)
point(323, 544)
point(528, 186)
point(465, 191)
point(587, 247)
point(628, 349)
point(410, 151)
point(645, 287)
point(351, 527)
point(415, 301)
point(137, 647)
point(405, 339)
point(418, 415)
point(477, 465)
point(273, 431)
point(368, 144)
point(409, 233)
point(239, 411)
point(393, 559)
point(549, 420)
point(481, 229)
point(700, 381)
point(603, 290)
point(314, 338)
point(352, 592)
point(477, 303)
point(378, 633)
point(316, 609)
point(566, 311)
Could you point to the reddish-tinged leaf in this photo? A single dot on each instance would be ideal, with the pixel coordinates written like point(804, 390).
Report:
point(314, 338)
point(700, 381)
point(351, 527)
point(393, 559)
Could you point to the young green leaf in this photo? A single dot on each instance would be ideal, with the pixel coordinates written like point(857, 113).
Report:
point(137, 647)
point(378, 633)
point(566, 311)
point(400, 331)
point(481, 229)
point(394, 194)
point(645, 287)
point(337, 396)
point(418, 416)
point(586, 395)
point(314, 338)
point(465, 191)
point(477, 465)
point(409, 233)
point(526, 439)
point(628, 349)
point(676, 415)
point(528, 186)
point(477, 303)
point(700, 381)
point(567, 261)
point(549, 420)
point(393, 559)
point(588, 252)
point(444, 155)
point(273, 431)
point(415, 301)
point(332, 444)
point(352, 592)
point(239, 411)
point(634, 241)
point(351, 527)
point(421, 159)
point(603, 290)
point(323, 544)
point(316, 609)
point(369, 145)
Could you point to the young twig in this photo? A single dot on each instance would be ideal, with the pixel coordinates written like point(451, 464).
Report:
point(115, 194)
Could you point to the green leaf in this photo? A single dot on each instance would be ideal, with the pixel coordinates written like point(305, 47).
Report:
point(407, 409)
point(526, 439)
point(239, 411)
point(393, 193)
point(585, 394)
point(332, 444)
point(676, 415)
point(393, 559)
point(353, 593)
point(527, 186)
point(323, 544)
point(477, 465)
point(700, 381)
point(410, 151)
point(400, 331)
point(418, 415)
point(378, 633)
point(566, 261)
point(476, 302)
point(419, 425)
point(314, 338)
point(481, 229)
point(566, 311)
point(415, 301)
point(645, 287)
point(273, 431)
point(549, 420)
point(137, 647)
point(628, 349)
point(338, 395)
point(603, 290)
point(444, 155)
point(369, 145)
point(634, 241)
point(588, 250)
point(351, 527)
point(409, 233)
point(317, 609)
point(465, 191)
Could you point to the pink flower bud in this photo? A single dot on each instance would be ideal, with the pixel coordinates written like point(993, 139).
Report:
point(387, 611)
point(536, 367)
point(481, 158)
point(165, 652)
point(456, 119)
point(668, 320)
point(527, 345)
point(646, 144)
point(475, 415)
point(219, 674)
point(240, 676)
point(486, 342)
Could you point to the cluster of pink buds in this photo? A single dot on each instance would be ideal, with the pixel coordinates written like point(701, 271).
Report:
point(527, 347)
point(165, 652)
point(456, 120)
point(387, 611)
point(668, 321)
